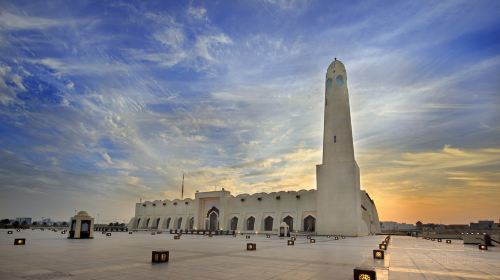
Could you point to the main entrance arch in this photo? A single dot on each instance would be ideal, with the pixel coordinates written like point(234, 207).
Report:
point(213, 219)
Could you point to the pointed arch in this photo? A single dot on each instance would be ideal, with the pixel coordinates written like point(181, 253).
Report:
point(250, 223)
point(191, 223)
point(289, 221)
point(179, 223)
point(234, 223)
point(213, 219)
point(168, 222)
point(268, 223)
point(310, 224)
point(157, 223)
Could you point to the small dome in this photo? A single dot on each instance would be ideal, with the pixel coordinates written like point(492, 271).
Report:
point(83, 213)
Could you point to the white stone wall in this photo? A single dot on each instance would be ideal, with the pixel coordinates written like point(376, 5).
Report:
point(277, 205)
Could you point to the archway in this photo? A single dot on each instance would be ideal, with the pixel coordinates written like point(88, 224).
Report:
point(213, 219)
point(147, 223)
point(168, 223)
point(310, 224)
point(234, 223)
point(250, 223)
point(191, 223)
point(179, 223)
point(268, 223)
point(289, 221)
point(138, 223)
point(157, 223)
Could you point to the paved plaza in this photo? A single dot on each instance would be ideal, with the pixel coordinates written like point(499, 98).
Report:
point(49, 255)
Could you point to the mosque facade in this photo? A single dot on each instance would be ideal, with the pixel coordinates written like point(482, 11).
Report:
point(337, 207)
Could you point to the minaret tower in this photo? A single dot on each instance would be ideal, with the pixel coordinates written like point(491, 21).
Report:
point(338, 201)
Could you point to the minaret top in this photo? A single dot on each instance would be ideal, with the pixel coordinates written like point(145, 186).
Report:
point(336, 67)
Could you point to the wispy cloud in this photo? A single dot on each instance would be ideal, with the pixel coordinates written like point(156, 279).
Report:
point(119, 99)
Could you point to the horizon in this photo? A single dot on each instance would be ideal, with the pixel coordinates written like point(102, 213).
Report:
point(103, 104)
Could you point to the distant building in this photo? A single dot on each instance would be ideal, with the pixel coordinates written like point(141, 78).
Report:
point(46, 221)
point(456, 227)
point(395, 226)
point(24, 220)
point(483, 225)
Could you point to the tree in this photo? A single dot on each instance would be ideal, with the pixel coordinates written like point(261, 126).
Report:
point(5, 222)
point(64, 224)
point(35, 223)
point(15, 224)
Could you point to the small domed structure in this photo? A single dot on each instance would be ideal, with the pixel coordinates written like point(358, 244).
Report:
point(284, 230)
point(81, 226)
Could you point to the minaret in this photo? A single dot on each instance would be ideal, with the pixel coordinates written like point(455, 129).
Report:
point(338, 202)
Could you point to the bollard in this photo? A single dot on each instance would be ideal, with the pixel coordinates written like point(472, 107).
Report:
point(251, 246)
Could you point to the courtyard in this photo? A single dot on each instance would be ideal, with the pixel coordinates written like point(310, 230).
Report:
point(50, 255)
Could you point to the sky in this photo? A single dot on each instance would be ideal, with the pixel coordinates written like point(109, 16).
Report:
point(106, 103)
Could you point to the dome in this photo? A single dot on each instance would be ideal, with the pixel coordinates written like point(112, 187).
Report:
point(83, 213)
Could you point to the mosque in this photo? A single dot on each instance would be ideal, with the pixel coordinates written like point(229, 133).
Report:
point(337, 207)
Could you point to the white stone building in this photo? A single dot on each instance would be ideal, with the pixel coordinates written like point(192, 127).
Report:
point(338, 206)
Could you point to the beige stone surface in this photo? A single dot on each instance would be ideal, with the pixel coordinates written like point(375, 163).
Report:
point(49, 255)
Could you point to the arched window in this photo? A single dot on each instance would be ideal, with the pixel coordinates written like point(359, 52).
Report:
point(339, 80)
point(168, 223)
point(289, 221)
point(250, 223)
point(179, 223)
point(157, 223)
point(310, 223)
point(138, 223)
point(147, 223)
point(191, 223)
point(329, 83)
point(268, 223)
point(234, 223)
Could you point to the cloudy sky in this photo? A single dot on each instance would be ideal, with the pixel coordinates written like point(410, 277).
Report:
point(104, 103)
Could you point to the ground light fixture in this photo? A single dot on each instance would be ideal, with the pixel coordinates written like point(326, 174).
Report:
point(251, 246)
point(378, 254)
point(19, 241)
point(160, 256)
point(364, 274)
